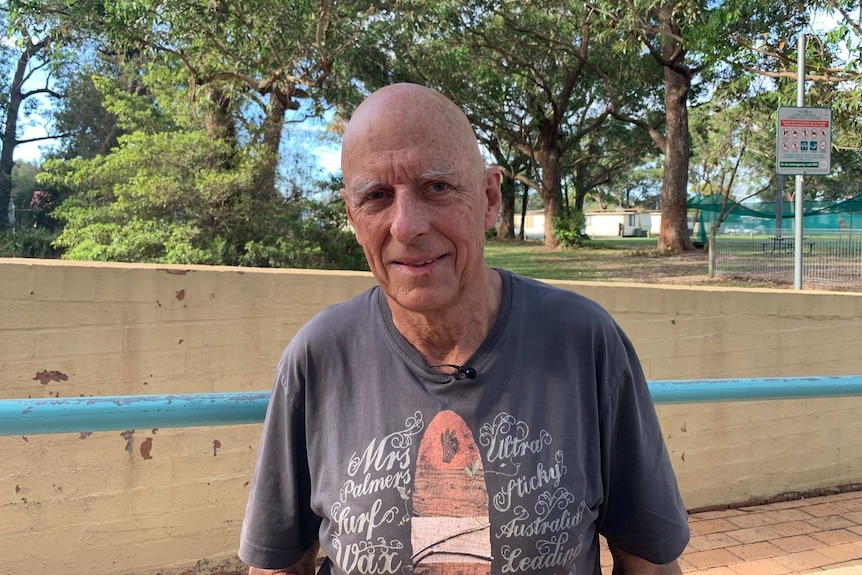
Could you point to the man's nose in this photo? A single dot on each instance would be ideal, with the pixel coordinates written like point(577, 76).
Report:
point(410, 218)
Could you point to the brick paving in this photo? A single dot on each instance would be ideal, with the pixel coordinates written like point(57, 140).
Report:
point(812, 535)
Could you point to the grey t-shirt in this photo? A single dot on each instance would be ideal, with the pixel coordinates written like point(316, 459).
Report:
point(398, 468)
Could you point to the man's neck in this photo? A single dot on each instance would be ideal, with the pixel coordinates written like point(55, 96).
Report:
point(453, 335)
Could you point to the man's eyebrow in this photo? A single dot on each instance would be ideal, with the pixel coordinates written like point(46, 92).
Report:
point(437, 174)
point(362, 188)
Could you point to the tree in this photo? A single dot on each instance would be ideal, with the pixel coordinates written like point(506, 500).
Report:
point(519, 71)
point(673, 35)
point(638, 187)
point(23, 187)
point(26, 63)
point(730, 142)
point(193, 101)
point(172, 191)
point(170, 197)
point(607, 162)
point(238, 55)
point(764, 45)
point(89, 128)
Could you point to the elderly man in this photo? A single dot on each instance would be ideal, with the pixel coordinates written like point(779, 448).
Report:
point(456, 418)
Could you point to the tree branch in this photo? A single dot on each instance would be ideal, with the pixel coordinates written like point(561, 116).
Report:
point(520, 178)
point(855, 25)
point(43, 138)
point(50, 92)
point(825, 76)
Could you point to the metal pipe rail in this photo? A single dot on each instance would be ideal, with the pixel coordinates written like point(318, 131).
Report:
point(110, 413)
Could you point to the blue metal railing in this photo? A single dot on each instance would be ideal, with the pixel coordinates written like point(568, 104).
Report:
point(84, 414)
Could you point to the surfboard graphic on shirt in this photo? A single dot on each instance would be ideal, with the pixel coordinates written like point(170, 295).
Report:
point(450, 526)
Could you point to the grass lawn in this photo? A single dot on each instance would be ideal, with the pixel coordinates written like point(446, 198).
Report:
point(634, 260)
point(625, 259)
point(611, 260)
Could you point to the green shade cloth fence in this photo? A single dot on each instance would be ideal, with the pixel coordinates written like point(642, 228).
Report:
point(759, 218)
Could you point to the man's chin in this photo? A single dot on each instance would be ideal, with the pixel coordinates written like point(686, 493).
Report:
point(419, 300)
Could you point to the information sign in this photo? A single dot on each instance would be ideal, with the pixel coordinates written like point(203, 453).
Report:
point(804, 143)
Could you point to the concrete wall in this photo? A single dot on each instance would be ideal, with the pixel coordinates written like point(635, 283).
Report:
point(93, 504)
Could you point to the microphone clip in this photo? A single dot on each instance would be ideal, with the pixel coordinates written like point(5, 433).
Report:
point(463, 372)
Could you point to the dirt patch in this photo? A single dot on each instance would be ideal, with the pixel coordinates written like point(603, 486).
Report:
point(689, 268)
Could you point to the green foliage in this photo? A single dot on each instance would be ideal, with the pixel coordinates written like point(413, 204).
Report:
point(317, 237)
point(28, 243)
point(132, 111)
point(732, 146)
point(520, 71)
point(569, 227)
point(208, 92)
point(181, 197)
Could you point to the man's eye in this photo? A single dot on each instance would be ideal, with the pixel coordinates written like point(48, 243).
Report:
point(375, 195)
point(438, 187)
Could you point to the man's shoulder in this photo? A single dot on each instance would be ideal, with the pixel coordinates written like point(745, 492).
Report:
point(342, 317)
point(563, 302)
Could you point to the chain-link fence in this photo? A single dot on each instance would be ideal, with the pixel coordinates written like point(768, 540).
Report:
point(830, 258)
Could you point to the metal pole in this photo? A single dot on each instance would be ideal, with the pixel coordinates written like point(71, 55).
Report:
point(753, 389)
point(779, 206)
point(83, 414)
point(800, 102)
point(88, 414)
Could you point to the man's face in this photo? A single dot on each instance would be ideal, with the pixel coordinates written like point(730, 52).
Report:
point(419, 206)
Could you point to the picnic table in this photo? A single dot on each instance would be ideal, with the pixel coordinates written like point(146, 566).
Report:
point(785, 246)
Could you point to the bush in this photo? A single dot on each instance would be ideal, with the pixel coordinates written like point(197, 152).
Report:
point(28, 243)
point(569, 226)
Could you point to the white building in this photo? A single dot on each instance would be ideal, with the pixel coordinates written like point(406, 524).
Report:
point(621, 223)
point(601, 223)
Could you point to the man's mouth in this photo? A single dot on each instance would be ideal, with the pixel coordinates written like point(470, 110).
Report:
point(417, 264)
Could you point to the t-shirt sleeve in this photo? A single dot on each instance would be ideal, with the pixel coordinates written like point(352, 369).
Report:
point(642, 511)
point(279, 526)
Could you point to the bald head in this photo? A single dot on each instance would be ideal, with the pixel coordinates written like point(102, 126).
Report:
point(413, 114)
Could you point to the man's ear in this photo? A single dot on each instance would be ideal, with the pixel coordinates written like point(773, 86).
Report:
point(493, 194)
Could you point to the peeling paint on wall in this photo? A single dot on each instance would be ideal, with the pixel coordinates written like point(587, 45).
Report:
point(46, 376)
point(129, 436)
point(146, 447)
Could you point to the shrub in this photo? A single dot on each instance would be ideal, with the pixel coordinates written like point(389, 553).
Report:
point(569, 227)
point(28, 243)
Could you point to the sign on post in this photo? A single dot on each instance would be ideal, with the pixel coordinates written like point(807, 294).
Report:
point(804, 143)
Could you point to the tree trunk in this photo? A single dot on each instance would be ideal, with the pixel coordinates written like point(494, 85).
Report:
point(219, 121)
point(273, 125)
point(506, 224)
point(580, 186)
point(673, 235)
point(551, 196)
point(549, 162)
